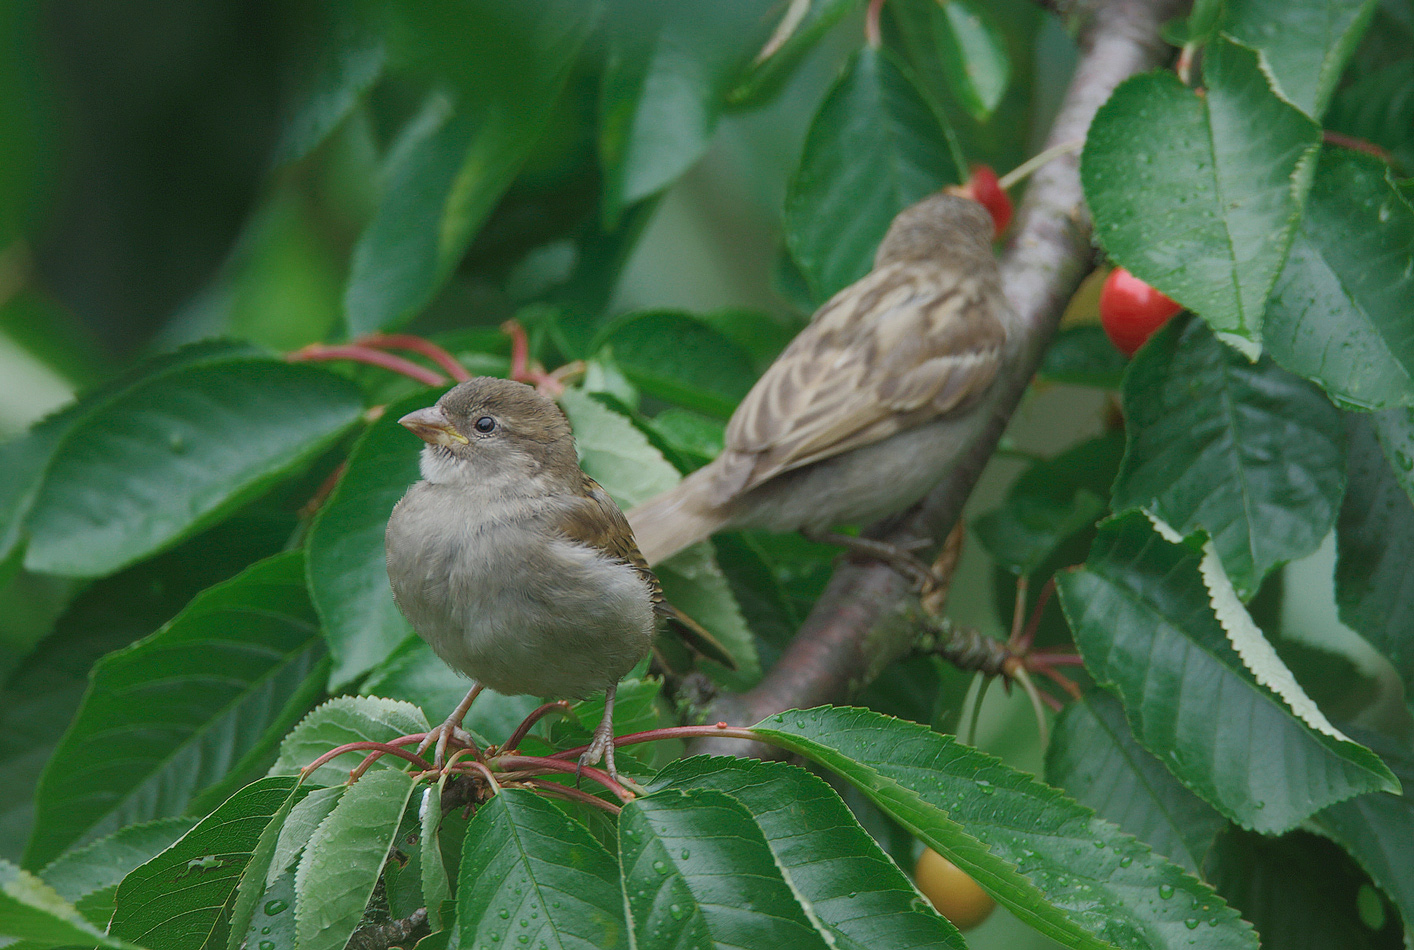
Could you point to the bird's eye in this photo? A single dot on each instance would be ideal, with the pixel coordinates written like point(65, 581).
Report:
point(485, 424)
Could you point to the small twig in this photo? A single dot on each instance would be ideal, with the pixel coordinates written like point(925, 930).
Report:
point(1359, 145)
point(535, 763)
point(529, 722)
point(384, 748)
point(417, 344)
point(392, 933)
point(719, 731)
point(319, 352)
point(572, 794)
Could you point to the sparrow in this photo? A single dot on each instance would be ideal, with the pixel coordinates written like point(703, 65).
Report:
point(869, 405)
point(515, 566)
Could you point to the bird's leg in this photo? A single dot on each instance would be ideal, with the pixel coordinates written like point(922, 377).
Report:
point(603, 745)
point(451, 728)
point(899, 558)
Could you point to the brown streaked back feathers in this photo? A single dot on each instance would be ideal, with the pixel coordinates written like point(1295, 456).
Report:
point(911, 341)
point(595, 520)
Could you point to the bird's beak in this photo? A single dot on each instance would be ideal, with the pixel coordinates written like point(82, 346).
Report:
point(432, 426)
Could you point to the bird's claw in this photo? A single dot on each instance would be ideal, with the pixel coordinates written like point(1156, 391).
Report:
point(602, 747)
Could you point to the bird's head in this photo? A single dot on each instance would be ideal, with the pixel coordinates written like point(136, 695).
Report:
point(495, 432)
point(939, 226)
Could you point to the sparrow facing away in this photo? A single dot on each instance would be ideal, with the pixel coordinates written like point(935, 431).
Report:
point(870, 404)
point(515, 566)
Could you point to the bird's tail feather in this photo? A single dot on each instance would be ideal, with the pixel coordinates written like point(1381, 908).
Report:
point(695, 636)
point(668, 522)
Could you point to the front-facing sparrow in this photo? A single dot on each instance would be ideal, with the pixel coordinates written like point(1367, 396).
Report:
point(513, 564)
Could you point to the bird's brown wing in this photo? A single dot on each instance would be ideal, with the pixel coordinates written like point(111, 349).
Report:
point(909, 342)
point(593, 518)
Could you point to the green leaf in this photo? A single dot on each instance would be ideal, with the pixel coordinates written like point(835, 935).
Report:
point(455, 159)
point(698, 873)
point(1050, 503)
point(1049, 860)
point(838, 874)
point(341, 78)
point(615, 453)
point(974, 56)
point(181, 899)
point(1395, 431)
point(252, 883)
point(436, 888)
point(874, 148)
point(344, 720)
point(1299, 891)
point(1144, 624)
point(31, 911)
point(669, 70)
point(89, 877)
point(1339, 313)
point(1379, 108)
point(799, 29)
point(1200, 196)
point(1247, 452)
point(532, 876)
point(416, 675)
point(1083, 356)
point(1373, 829)
point(45, 691)
point(678, 358)
point(342, 862)
point(1305, 45)
point(1374, 576)
point(635, 710)
point(24, 460)
point(1093, 755)
point(176, 453)
point(298, 827)
point(185, 713)
point(695, 584)
point(346, 566)
point(691, 434)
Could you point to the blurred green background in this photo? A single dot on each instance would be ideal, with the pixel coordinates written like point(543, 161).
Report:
point(141, 207)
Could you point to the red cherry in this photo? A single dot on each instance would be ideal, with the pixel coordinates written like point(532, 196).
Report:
point(987, 191)
point(985, 188)
point(1131, 310)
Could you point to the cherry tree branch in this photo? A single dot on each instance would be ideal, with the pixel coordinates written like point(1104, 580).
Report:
point(862, 621)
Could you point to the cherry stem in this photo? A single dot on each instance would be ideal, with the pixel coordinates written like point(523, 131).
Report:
point(524, 728)
point(1359, 145)
point(872, 35)
point(477, 766)
point(572, 794)
point(1028, 636)
point(1020, 172)
point(383, 748)
point(319, 352)
point(417, 344)
point(535, 763)
point(1038, 660)
point(1018, 615)
point(322, 493)
point(1064, 683)
point(1184, 66)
